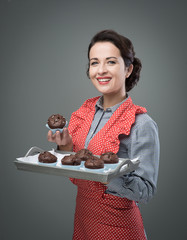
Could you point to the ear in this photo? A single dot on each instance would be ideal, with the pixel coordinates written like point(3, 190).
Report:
point(129, 70)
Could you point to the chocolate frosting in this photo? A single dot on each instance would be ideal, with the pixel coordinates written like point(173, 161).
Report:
point(109, 157)
point(47, 157)
point(70, 160)
point(94, 163)
point(56, 121)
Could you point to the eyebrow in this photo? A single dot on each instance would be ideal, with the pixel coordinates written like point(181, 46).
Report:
point(106, 58)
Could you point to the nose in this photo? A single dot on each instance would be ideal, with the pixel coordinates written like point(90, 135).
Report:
point(102, 69)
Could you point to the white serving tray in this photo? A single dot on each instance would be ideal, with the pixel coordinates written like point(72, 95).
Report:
point(30, 163)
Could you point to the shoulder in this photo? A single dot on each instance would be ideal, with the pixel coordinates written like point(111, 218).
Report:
point(144, 134)
point(144, 123)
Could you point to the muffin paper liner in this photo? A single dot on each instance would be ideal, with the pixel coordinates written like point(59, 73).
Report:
point(56, 129)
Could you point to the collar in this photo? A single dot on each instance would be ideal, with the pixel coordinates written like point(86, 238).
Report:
point(99, 104)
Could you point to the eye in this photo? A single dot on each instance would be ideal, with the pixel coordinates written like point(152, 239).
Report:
point(93, 63)
point(111, 62)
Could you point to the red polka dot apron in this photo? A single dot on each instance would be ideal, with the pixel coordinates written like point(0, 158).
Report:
point(99, 215)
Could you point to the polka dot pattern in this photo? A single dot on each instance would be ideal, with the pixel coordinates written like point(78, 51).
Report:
point(104, 216)
point(99, 215)
point(107, 138)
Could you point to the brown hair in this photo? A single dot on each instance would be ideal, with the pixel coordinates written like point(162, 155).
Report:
point(127, 52)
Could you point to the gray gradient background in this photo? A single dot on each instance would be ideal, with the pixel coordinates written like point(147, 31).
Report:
point(43, 58)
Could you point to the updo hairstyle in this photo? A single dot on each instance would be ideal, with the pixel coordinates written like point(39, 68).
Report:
point(126, 49)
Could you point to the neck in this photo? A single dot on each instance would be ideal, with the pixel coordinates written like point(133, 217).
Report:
point(110, 101)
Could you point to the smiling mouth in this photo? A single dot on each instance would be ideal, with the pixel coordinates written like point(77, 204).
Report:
point(106, 79)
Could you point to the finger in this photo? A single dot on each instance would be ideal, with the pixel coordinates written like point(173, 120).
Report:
point(49, 136)
point(66, 134)
point(58, 137)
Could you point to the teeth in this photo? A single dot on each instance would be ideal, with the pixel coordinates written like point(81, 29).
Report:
point(104, 80)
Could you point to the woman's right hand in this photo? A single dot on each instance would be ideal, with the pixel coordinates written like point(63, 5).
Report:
point(63, 140)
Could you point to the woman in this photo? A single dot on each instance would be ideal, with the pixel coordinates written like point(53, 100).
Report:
point(112, 122)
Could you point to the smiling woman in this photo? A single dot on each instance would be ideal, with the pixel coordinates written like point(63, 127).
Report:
point(126, 48)
point(112, 123)
point(108, 72)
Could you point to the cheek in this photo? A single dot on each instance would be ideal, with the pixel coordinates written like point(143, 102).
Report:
point(121, 78)
point(91, 73)
point(122, 74)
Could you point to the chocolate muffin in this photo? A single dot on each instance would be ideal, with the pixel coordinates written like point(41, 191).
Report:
point(47, 157)
point(94, 163)
point(56, 121)
point(84, 154)
point(109, 157)
point(71, 160)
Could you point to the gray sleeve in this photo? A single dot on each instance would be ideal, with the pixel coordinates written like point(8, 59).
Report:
point(143, 143)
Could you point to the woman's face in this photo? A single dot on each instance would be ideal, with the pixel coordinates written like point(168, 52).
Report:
point(107, 69)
